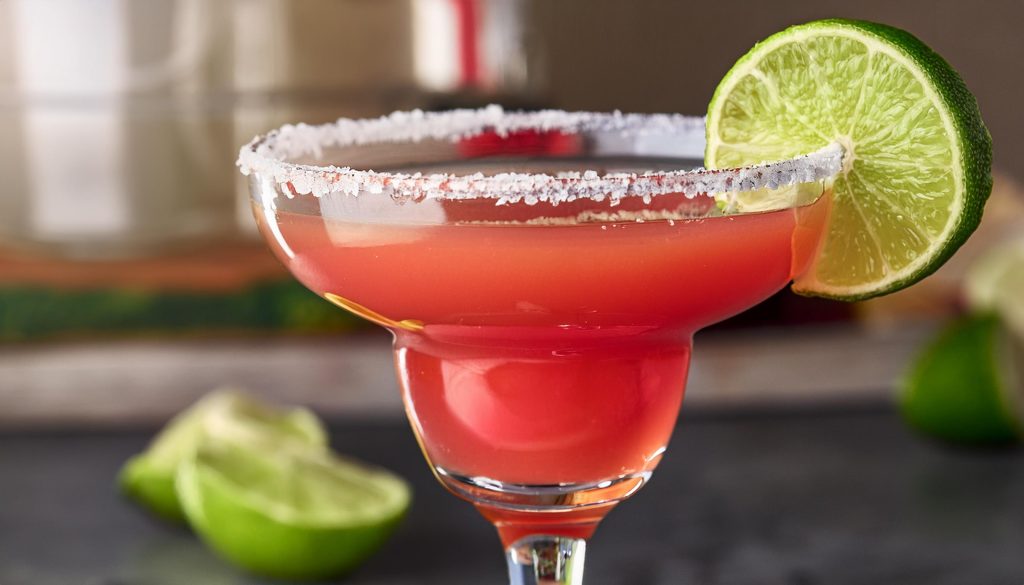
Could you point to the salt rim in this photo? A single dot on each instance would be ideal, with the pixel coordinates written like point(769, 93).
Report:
point(268, 155)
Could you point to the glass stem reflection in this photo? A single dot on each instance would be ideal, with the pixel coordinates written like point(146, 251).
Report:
point(546, 560)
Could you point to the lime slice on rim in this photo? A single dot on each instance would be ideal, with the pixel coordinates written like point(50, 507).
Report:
point(149, 478)
point(917, 167)
point(289, 514)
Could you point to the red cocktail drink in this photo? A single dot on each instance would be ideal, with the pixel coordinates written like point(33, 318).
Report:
point(543, 313)
point(554, 354)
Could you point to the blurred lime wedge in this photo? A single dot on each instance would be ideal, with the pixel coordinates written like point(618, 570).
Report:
point(917, 167)
point(148, 478)
point(966, 386)
point(996, 283)
point(289, 513)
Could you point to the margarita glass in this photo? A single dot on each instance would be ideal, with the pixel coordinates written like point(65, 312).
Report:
point(543, 275)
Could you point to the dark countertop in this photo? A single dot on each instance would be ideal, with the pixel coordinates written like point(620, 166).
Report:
point(797, 498)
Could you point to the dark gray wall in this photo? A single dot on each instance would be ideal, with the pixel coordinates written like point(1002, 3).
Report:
point(664, 55)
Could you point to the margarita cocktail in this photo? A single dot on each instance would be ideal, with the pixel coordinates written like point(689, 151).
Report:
point(543, 275)
point(543, 362)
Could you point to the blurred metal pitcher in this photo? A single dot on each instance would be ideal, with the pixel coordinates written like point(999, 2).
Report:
point(121, 118)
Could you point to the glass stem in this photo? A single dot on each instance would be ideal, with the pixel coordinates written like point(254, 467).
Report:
point(546, 560)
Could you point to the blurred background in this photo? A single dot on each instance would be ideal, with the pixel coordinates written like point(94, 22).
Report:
point(132, 282)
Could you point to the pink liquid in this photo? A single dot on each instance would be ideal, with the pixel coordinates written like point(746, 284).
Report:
point(553, 354)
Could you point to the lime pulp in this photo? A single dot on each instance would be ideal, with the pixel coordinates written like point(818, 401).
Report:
point(148, 478)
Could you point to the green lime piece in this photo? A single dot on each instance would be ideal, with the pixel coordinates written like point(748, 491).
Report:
point(287, 513)
point(152, 486)
point(965, 387)
point(149, 478)
point(917, 163)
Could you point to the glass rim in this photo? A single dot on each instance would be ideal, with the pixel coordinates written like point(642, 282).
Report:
point(269, 156)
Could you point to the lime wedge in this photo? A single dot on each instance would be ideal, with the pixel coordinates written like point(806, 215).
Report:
point(289, 514)
point(996, 283)
point(917, 167)
point(965, 386)
point(149, 478)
